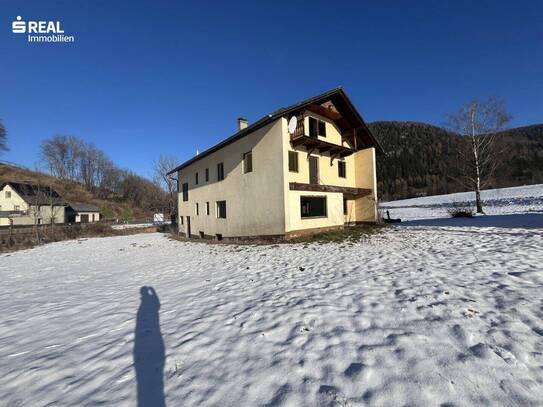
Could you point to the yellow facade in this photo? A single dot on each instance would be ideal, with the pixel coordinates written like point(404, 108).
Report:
point(260, 202)
point(11, 201)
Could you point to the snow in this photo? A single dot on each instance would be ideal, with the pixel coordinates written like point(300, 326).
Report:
point(505, 201)
point(418, 315)
point(123, 226)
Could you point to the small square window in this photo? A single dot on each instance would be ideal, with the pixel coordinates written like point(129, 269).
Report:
point(8, 194)
point(317, 127)
point(293, 161)
point(248, 162)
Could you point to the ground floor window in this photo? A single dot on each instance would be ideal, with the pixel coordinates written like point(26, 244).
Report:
point(221, 209)
point(313, 206)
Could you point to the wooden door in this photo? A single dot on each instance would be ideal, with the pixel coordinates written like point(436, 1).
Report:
point(85, 218)
point(313, 170)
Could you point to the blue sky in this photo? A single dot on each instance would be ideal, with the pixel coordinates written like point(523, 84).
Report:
point(145, 78)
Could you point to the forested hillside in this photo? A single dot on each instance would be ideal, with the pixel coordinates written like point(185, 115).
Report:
point(134, 197)
point(421, 159)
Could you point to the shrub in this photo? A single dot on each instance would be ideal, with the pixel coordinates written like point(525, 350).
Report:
point(461, 210)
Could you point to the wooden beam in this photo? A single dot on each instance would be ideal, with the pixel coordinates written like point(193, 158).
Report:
point(358, 192)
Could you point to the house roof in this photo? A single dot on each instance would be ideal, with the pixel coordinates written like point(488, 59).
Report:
point(83, 207)
point(34, 194)
point(337, 96)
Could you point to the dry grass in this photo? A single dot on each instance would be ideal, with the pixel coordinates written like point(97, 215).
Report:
point(354, 233)
point(60, 233)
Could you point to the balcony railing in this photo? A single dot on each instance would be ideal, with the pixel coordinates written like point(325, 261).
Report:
point(12, 214)
point(314, 144)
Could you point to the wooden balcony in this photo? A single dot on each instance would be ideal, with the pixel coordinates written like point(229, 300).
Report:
point(321, 146)
point(356, 192)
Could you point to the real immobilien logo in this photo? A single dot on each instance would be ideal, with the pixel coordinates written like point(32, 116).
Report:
point(46, 31)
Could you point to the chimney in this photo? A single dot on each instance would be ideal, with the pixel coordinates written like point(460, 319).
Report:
point(242, 123)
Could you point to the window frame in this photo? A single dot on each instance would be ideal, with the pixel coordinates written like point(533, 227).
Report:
point(324, 197)
point(317, 127)
point(295, 154)
point(220, 171)
point(247, 168)
point(207, 208)
point(8, 194)
point(196, 178)
point(218, 209)
point(197, 209)
point(207, 174)
point(185, 191)
point(342, 164)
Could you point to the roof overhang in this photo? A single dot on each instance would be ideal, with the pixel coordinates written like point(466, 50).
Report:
point(334, 104)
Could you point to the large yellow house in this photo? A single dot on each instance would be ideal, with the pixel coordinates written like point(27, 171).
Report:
point(305, 168)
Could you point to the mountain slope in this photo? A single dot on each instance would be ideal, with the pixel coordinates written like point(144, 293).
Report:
point(421, 159)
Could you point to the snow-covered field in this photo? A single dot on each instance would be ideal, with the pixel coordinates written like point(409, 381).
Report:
point(411, 316)
point(505, 201)
point(123, 226)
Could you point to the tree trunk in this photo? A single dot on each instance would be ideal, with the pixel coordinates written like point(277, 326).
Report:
point(474, 145)
point(478, 201)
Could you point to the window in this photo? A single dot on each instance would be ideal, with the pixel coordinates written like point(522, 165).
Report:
point(197, 209)
point(185, 191)
point(345, 206)
point(248, 162)
point(342, 169)
point(293, 161)
point(322, 128)
point(181, 219)
point(196, 178)
point(207, 208)
point(8, 194)
point(221, 209)
point(16, 208)
point(317, 127)
point(313, 206)
point(220, 172)
point(207, 174)
point(202, 235)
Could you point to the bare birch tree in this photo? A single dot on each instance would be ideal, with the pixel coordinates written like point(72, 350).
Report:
point(478, 121)
point(161, 167)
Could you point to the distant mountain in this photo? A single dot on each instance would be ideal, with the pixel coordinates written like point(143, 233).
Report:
point(421, 158)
